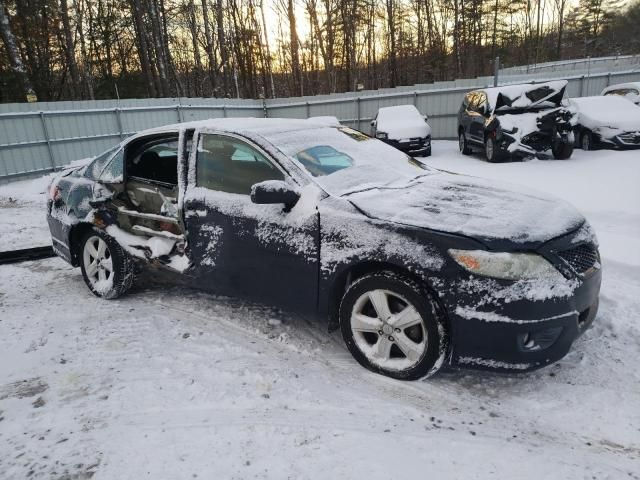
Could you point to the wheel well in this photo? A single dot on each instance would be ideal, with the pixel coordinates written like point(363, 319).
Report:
point(349, 275)
point(75, 235)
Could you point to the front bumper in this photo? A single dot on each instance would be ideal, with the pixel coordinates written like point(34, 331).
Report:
point(627, 140)
point(523, 335)
point(412, 146)
point(525, 325)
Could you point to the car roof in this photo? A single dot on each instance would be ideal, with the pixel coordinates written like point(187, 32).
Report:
point(621, 85)
point(241, 126)
point(600, 102)
point(518, 90)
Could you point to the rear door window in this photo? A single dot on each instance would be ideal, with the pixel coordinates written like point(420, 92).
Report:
point(157, 161)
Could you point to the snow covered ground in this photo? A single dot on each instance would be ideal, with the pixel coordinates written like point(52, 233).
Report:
point(167, 383)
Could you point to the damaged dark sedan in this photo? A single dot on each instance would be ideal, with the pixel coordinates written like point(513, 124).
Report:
point(516, 121)
point(418, 268)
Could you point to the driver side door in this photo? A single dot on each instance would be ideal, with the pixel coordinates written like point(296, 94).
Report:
point(241, 248)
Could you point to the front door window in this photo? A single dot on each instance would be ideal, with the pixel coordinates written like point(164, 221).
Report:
point(229, 165)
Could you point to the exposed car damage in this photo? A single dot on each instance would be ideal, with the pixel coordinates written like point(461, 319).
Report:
point(518, 120)
point(303, 215)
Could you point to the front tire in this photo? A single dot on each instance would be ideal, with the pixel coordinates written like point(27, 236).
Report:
point(562, 150)
point(392, 326)
point(107, 269)
point(586, 141)
point(462, 143)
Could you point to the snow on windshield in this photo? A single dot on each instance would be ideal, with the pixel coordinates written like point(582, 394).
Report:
point(343, 159)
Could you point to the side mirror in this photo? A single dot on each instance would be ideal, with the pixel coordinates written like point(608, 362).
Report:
point(373, 123)
point(275, 191)
point(426, 118)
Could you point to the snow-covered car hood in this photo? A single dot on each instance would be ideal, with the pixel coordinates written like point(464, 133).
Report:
point(474, 207)
point(611, 111)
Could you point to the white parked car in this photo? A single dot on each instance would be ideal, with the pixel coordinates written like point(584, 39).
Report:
point(405, 128)
point(606, 122)
point(630, 91)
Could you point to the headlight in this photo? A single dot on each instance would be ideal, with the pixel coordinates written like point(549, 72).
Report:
point(382, 135)
point(507, 266)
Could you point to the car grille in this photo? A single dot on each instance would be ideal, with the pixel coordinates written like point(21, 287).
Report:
point(581, 258)
point(631, 138)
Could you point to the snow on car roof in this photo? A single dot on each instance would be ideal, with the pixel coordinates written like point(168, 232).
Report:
point(239, 125)
point(611, 111)
point(621, 85)
point(398, 112)
point(518, 93)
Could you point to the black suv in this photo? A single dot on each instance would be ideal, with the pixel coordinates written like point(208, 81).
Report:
point(516, 121)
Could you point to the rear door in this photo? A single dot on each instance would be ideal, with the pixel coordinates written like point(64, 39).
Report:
point(240, 248)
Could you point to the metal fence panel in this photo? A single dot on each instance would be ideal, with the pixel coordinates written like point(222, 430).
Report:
point(43, 136)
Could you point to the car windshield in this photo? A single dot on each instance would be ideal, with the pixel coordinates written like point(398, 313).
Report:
point(344, 160)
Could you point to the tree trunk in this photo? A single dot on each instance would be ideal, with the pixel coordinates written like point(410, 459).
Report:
point(69, 50)
point(209, 45)
point(161, 60)
point(14, 55)
point(293, 46)
point(193, 27)
point(143, 49)
point(224, 52)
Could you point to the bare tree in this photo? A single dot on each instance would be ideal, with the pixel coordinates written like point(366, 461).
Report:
point(12, 50)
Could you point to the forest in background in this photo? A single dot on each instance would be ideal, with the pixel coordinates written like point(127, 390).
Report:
point(96, 49)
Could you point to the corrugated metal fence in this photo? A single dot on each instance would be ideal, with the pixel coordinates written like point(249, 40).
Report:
point(40, 137)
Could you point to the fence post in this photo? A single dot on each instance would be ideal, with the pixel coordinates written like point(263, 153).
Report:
point(308, 107)
point(45, 130)
point(179, 113)
point(357, 113)
point(415, 99)
point(496, 71)
point(608, 79)
point(582, 86)
point(119, 121)
point(224, 111)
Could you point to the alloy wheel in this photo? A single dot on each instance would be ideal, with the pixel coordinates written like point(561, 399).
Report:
point(388, 330)
point(586, 142)
point(98, 263)
point(461, 142)
point(489, 149)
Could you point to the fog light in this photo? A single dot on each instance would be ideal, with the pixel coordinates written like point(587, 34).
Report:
point(539, 340)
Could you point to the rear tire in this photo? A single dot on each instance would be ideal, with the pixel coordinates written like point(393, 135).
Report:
point(462, 143)
point(562, 150)
point(392, 326)
point(107, 269)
